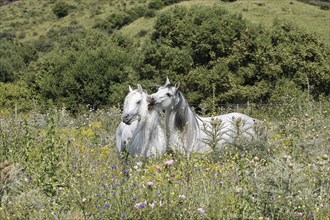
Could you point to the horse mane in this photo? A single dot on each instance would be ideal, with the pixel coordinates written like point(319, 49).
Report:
point(146, 133)
point(185, 119)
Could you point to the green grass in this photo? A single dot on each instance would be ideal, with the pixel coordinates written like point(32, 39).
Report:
point(64, 167)
point(36, 19)
point(310, 18)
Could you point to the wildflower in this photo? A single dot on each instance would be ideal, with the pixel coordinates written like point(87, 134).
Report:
point(106, 205)
point(158, 168)
point(123, 215)
point(300, 214)
point(152, 205)
point(98, 195)
point(104, 175)
point(140, 205)
point(201, 210)
point(150, 184)
point(113, 166)
point(133, 184)
point(169, 162)
point(182, 196)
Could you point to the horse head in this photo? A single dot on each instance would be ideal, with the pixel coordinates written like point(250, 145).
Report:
point(166, 96)
point(135, 105)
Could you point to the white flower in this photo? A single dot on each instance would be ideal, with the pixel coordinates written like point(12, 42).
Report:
point(201, 210)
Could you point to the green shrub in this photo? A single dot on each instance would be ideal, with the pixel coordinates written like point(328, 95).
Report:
point(14, 57)
point(61, 9)
point(15, 95)
point(253, 59)
point(156, 4)
point(113, 22)
point(87, 69)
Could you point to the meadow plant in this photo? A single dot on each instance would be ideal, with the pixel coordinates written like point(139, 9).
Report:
point(67, 167)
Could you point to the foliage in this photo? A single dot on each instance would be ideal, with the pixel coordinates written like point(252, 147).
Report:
point(68, 168)
point(61, 9)
point(115, 21)
point(246, 62)
point(323, 4)
point(14, 56)
point(86, 69)
point(16, 95)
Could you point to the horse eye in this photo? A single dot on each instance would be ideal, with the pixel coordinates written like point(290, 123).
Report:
point(138, 102)
point(168, 94)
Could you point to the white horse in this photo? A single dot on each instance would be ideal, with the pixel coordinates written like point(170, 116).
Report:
point(188, 132)
point(140, 132)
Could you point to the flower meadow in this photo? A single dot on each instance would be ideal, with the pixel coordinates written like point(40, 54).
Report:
point(56, 166)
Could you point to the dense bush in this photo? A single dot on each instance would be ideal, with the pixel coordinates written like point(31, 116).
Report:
point(16, 95)
point(156, 4)
point(113, 22)
point(61, 9)
point(14, 57)
point(243, 61)
point(86, 69)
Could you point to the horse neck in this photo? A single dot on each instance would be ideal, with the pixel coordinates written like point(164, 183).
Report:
point(147, 127)
point(181, 114)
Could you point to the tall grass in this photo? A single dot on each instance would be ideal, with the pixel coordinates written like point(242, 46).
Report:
point(55, 166)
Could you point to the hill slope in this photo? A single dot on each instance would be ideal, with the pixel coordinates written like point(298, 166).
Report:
point(308, 17)
point(29, 20)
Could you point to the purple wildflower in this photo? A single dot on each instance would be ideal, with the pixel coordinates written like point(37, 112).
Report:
point(150, 184)
point(140, 205)
point(106, 205)
point(169, 162)
point(123, 215)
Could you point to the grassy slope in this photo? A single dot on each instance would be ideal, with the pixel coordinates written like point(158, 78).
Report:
point(35, 19)
point(308, 17)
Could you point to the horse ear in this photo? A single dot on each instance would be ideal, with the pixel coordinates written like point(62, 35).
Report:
point(139, 88)
point(177, 86)
point(130, 88)
point(167, 81)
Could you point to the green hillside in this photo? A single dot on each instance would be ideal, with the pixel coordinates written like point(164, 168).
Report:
point(32, 19)
point(66, 67)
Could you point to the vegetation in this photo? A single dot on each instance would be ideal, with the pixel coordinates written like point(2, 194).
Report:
point(58, 60)
point(64, 167)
